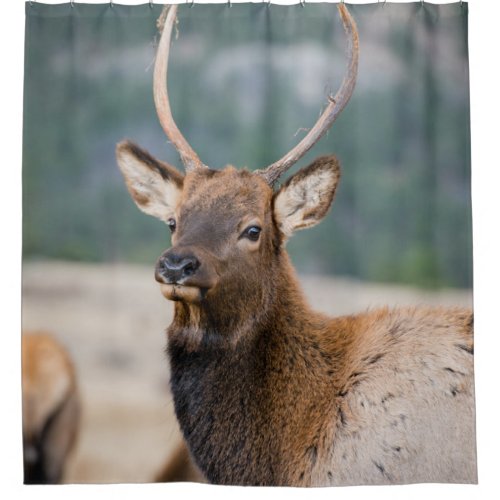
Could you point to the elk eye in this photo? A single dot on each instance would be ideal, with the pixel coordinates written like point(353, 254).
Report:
point(252, 233)
point(171, 224)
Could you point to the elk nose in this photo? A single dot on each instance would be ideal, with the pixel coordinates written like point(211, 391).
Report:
point(173, 267)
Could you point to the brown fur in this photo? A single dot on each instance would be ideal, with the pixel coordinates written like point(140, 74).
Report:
point(269, 392)
point(51, 408)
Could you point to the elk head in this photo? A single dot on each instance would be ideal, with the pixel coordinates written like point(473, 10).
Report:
point(229, 226)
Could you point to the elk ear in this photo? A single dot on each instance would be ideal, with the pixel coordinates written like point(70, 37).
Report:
point(306, 197)
point(154, 186)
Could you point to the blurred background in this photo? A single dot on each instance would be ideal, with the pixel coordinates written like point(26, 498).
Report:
point(245, 84)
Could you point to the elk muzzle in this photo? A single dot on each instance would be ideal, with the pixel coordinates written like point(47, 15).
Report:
point(176, 267)
point(184, 274)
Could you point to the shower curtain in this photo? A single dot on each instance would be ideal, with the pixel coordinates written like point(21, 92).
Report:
point(246, 84)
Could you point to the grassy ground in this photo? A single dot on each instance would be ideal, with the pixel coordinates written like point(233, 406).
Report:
point(112, 319)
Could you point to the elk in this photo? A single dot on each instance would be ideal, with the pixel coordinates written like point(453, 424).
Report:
point(51, 408)
point(267, 391)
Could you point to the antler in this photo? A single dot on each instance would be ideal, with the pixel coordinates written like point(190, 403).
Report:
point(334, 108)
point(189, 158)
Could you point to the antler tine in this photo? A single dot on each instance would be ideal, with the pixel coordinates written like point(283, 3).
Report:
point(189, 158)
point(334, 108)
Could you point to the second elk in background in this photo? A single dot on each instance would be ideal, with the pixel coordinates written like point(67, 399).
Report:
point(51, 408)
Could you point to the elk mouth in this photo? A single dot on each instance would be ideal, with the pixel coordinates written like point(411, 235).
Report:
point(186, 293)
point(185, 281)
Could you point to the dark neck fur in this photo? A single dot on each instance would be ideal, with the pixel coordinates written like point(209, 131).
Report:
point(237, 401)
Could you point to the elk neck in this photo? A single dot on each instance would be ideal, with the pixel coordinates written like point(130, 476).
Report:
point(234, 400)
